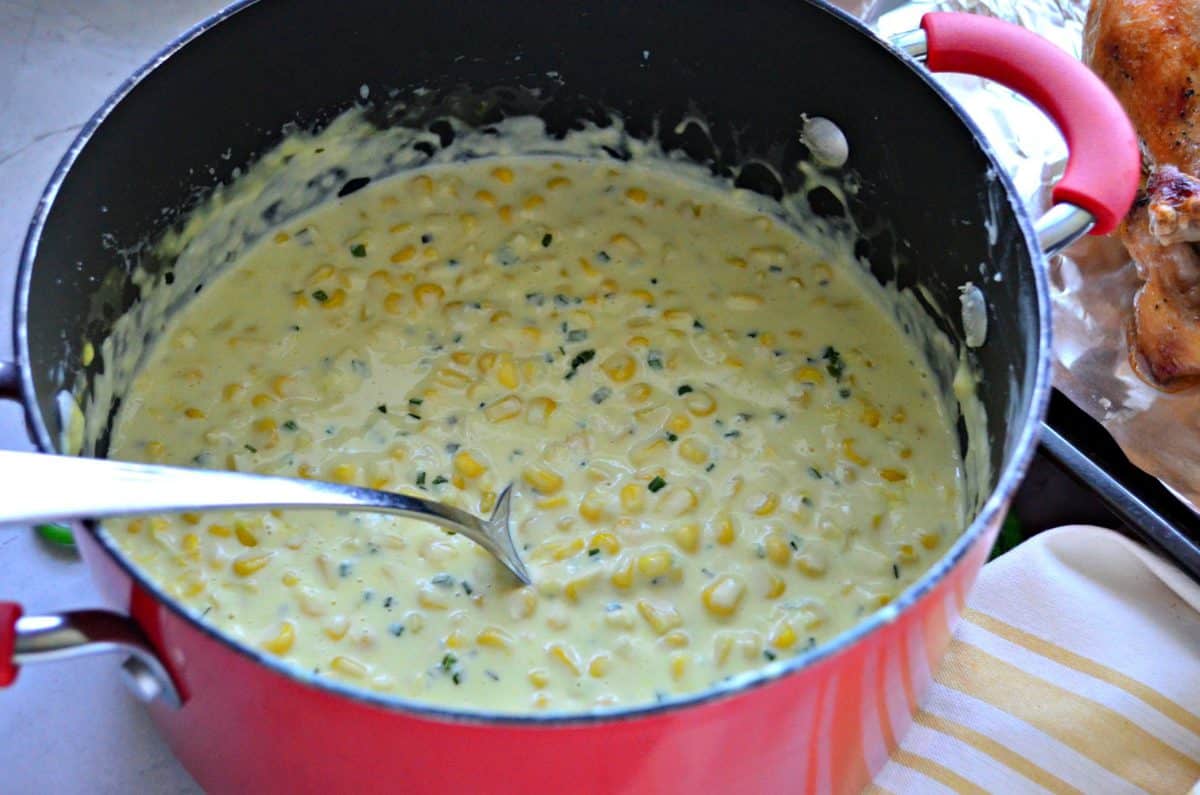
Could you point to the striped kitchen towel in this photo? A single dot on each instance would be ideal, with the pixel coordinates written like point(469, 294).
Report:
point(1076, 668)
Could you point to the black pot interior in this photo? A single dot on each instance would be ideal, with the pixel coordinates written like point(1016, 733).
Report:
point(924, 200)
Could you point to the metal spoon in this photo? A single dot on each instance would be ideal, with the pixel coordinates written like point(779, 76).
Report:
point(47, 488)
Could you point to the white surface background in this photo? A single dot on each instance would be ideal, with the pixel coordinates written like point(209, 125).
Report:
point(66, 727)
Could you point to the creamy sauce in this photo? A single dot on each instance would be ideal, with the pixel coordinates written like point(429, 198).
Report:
point(724, 450)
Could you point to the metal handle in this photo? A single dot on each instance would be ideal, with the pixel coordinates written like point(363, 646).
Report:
point(1103, 167)
point(26, 640)
point(48, 488)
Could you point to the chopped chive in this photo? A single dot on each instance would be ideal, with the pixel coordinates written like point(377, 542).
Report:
point(833, 362)
point(581, 358)
point(421, 478)
point(683, 390)
point(654, 359)
point(415, 401)
point(593, 553)
point(671, 437)
point(770, 655)
point(448, 662)
point(657, 484)
point(290, 425)
point(381, 408)
point(816, 473)
point(320, 295)
point(439, 480)
point(251, 448)
point(547, 239)
point(358, 250)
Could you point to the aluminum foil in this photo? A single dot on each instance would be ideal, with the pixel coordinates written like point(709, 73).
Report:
point(1092, 285)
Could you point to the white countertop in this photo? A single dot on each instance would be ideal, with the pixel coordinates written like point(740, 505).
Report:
point(66, 727)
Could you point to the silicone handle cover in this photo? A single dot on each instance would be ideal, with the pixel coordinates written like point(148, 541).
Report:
point(1104, 164)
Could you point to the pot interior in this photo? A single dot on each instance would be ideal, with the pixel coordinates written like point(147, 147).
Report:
point(725, 86)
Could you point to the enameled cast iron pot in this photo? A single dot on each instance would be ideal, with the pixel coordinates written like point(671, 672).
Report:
point(930, 198)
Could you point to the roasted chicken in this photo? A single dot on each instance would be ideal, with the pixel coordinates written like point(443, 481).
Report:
point(1148, 52)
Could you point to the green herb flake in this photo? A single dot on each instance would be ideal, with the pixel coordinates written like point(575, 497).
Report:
point(415, 401)
point(834, 362)
point(448, 662)
point(547, 239)
point(593, 553)
point(381, 408)
point(770, 655)
point(358, 250)
point(439, 480)
point(654, 359)
point(683, 390)
point(581, 358)
point(672, 437)
point(251, 448)
point(657, 484)
point(290, 425)
point(421, 478)
point(320, 295)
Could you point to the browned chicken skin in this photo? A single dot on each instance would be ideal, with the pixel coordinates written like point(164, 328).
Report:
point(1148, 52)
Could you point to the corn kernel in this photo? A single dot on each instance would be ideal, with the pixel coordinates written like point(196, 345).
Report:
point(261, 399)
point(776, 585)
point(244, 535)
point(507, 373)
point(622, 576)
point(427, 294)
point(540, 409)
point(548, 503)
point(636, 195)
point(282, 642)
point(892, 475)
point(290, 578)
point(422, 184)
point(693, 451)
point(687, 537)
point(344, 473)
point(808, 375)
point(679, 501)
point(219, 530)
point(532, 203)
point(783, 636)
point(250, 563)
point(723, 596)
point(726, 530)
point(778, 550)
point(335, 299)
point(543, 480)
point(870, 417)
point(620, 367)
point(700, 403)
point(468, 465)
point(764, 504)
point(231, 392)
point(851, 454)
point(633, 498)
point(598, 666)
point(503, 174)
point(591, 507)
point(679, 423)
point(348, 666)
point(606, 543)
point(638, 393)
point(811, 563)
point(495, 638)
point(404, 254)
point(678, 666)
point(487, 501)
point(661, 616)
point(539, 678)
point(655, 564)
point(648, 452)
point(929, 539)
point(194, 413)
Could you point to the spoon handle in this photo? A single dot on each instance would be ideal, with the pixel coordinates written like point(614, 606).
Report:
point(47, 488)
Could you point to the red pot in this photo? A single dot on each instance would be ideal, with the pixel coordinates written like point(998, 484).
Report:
point(822, 722)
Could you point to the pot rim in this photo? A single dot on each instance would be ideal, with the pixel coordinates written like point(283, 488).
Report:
point(1010, 477)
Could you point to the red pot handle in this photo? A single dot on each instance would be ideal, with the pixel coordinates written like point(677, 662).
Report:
point(1104, 165)
point(9, 613)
